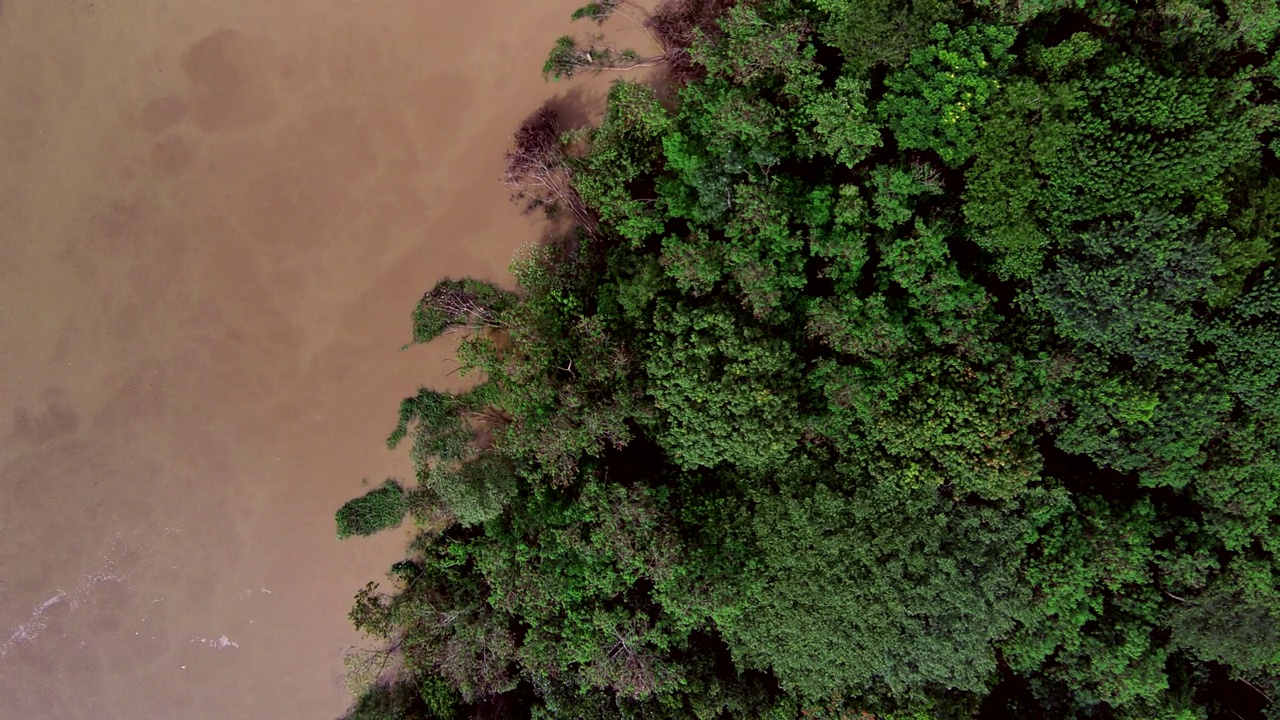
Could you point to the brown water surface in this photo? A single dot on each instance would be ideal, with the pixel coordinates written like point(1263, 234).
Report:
point(214, 219)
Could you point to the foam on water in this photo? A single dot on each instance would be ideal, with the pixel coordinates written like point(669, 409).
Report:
point(27, 632)
point(220, 643)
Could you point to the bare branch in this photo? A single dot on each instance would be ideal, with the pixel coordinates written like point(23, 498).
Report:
point(537, 169)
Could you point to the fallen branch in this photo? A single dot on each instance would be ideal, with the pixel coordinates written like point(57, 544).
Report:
point(537, 171)
point(566, 59)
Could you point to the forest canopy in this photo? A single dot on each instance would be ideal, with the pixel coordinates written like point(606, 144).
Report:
point(899, 359)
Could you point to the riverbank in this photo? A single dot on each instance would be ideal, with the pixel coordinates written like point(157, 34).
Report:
point(213, 224)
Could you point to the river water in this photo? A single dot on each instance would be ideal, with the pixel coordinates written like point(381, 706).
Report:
point(215, 218)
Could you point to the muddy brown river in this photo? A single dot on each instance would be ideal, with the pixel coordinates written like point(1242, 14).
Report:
point(215, 218)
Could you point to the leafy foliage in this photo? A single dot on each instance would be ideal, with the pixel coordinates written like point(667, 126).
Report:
point(457, 304)
point(906, 360)
point(1130, 289)
point(385, 701)
point(727, 393)
point(372, 512)
point(938, 100)
point(898, 611)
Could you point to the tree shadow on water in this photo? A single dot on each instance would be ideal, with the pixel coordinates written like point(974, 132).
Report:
point(576, 107)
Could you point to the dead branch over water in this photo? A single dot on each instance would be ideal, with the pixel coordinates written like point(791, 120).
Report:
point(675, 25)
point(536, 166)
point(537, 171)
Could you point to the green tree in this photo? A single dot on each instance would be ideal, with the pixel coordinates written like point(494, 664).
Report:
point(939, 100)
point(1131, 289)
point(725, 391)
point(376, 510)
point(879, 589)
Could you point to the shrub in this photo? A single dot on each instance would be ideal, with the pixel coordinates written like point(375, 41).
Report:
point(384, 701)
point(376, 510)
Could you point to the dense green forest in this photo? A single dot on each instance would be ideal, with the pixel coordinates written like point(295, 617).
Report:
point(909, 359)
